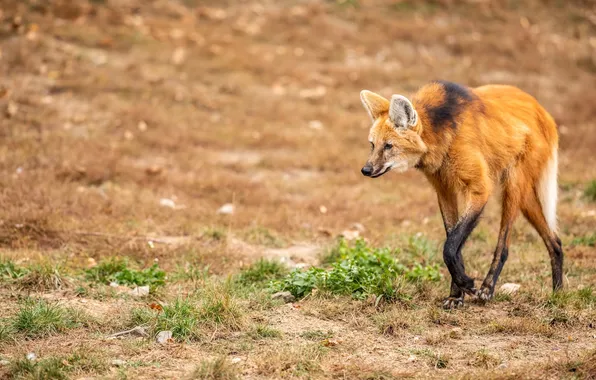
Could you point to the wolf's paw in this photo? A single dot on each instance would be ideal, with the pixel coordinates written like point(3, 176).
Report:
point(453, 302)
point(485, 294)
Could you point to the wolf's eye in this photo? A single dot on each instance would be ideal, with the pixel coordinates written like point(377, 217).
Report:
point(388, 146)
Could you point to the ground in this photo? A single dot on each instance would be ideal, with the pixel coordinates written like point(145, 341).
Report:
point(125, 126)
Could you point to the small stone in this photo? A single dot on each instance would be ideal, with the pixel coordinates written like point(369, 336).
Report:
point(11, 109)
point(236, 360)
point(323, 209)
point(166, 202)
point(278, 90)
point(142, 126)
point(178, 56)
point(509, 288)
point(313, 93)
point(226, 209)
point(31, 356)
point(114, 284)
point(91, 262)
point(128, 135)
point(139, 291)
point(502, 366)
point(315, 124)
point(176, 34)
point(411, 358)
point(287, 297)
point(153, 170)
point(4, 363)
point(163, 337)
point(118, 362)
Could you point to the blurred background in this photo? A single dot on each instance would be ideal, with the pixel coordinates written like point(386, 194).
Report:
point(240, 121)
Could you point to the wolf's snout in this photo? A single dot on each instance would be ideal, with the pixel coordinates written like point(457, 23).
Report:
point(367, 170)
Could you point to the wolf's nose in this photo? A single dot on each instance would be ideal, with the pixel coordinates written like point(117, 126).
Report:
point(367, 170)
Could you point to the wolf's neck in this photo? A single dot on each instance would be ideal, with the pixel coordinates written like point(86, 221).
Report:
point(438, 145)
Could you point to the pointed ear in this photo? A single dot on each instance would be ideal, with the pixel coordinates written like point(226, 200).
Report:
point(374, 104)
point(402, 112)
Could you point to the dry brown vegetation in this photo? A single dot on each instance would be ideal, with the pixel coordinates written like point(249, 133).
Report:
point(126, 125)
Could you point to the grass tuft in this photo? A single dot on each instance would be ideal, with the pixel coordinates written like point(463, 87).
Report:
point(434, 359)
point(578, 299)
point(217, 369)
point(291, 361)
point(263, 332)
point(587, 240)
point(484, 359)
point(43, 277)
point(179, 317)
point(40, 318)
point(263, 236)
point(9, 270)
point(316, 335)
point(261, 272)
point(219, 309)
point(215, 309)
point(590, 191)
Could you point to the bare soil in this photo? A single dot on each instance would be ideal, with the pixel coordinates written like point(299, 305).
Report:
point(126, 125)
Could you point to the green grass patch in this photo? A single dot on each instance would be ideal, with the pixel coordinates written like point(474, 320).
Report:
point(587, 240)
point(181, 318)
point(590, 191)
point(359, 271)
point(40, 318)
point(263, 332)
point(9, 270)
point(118, 270)
point(262, 272)
point(579, 299)
point(58, 367)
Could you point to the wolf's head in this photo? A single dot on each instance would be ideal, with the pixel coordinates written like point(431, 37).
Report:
point(394, 136)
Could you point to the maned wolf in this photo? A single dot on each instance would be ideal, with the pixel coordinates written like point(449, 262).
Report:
point(466, 141)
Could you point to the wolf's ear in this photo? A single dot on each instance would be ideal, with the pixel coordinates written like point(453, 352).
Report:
point(375, 104)
point(402, 112)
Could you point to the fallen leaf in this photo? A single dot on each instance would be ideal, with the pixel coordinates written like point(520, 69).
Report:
point(155, 306)
point(330, 342)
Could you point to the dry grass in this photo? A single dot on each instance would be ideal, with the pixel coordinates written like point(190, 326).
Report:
point(125, 126)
